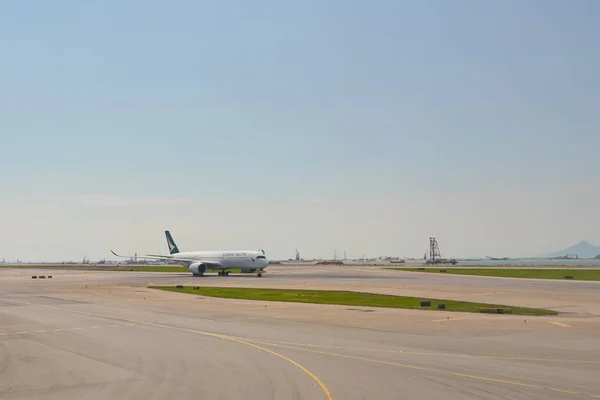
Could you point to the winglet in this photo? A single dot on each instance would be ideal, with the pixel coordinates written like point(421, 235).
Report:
point(116, 254)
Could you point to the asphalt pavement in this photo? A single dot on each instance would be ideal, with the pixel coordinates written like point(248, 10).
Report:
point(99, 335)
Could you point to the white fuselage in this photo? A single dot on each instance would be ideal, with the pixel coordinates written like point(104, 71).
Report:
point(246, 260)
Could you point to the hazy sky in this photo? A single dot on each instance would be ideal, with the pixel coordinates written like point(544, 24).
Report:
point(349, 125)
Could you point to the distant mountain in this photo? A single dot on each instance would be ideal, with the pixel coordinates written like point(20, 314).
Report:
point(582, 249)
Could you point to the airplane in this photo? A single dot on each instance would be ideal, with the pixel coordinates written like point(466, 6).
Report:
point(199, 262)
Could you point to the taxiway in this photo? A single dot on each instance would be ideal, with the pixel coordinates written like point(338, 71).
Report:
point(96, 335)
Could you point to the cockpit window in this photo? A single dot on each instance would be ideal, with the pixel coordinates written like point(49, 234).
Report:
point(260, 257)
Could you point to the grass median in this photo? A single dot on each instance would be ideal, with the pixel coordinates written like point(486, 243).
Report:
point(346, 298)
point(575, 274)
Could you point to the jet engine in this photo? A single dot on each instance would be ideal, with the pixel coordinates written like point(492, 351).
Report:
point(197, 269)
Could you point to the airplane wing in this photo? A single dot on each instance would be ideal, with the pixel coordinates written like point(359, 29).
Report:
point(171, 258)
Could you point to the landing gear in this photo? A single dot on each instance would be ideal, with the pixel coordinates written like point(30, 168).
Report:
point(259, 274)
point(223, 273)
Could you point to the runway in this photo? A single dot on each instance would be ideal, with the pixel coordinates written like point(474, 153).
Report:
point(96, 335)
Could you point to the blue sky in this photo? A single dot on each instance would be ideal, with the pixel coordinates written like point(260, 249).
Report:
point(364, 126)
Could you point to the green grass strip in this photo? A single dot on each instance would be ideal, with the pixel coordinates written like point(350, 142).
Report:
point(576, 274)
point(345, 298)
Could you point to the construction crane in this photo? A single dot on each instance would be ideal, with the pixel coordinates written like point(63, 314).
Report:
point(434, 251)
point(434, 254)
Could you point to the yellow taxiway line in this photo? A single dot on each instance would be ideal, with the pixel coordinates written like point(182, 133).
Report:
point(560, 324)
